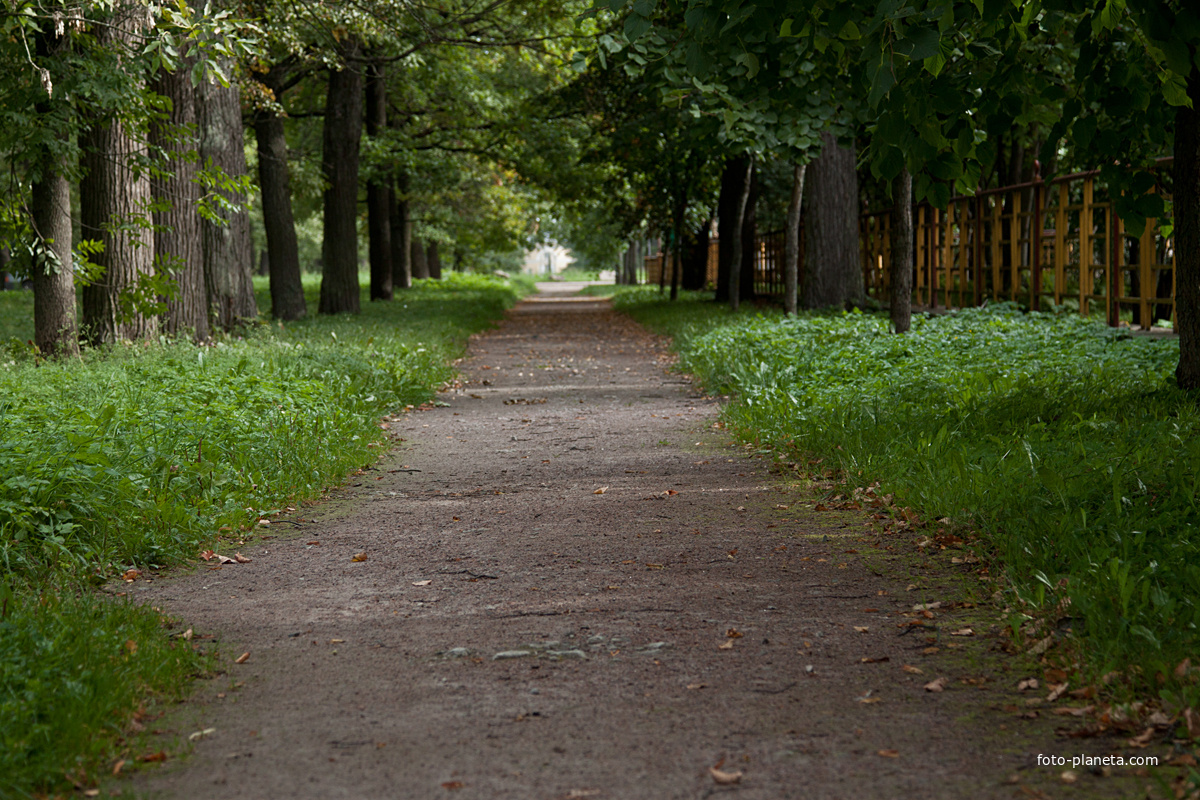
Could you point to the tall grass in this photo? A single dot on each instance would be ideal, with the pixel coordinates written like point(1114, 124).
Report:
point(138, 455)
point(1063, 443)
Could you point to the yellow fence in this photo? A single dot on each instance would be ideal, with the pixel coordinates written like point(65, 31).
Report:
point(1034, 244)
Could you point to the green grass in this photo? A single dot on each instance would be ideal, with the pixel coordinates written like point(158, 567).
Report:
point(138, 455)
point(1063, 445)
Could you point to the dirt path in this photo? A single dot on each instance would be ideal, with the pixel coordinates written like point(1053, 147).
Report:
point(516, 633)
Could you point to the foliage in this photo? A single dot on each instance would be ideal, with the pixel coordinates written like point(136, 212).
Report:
point(1061, 444)
point(137, 456)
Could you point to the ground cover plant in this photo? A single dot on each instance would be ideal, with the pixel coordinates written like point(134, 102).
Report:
point(1063, 445)
point(137, 457)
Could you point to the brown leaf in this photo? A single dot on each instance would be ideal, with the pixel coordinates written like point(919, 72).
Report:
point(1056, 691)
point(733, 633)
point(243, 658)
point(453, 785)
point(888, 753)
point(963, 632)
point(1192, 720)
point(422, 583)
point(1143, 738)
point(1181, 670)
point(694, 686)
point(359, 557)
point(862, 628)
point(1073, 712)
point(131, 646)
point(727, 646)
point(116, 770)
point(241, 559)
point(1028, 683)
point(601, 490)
point(911, 670)
point(161, 755)
point(930, 650)
point(937, 685)
point(879, 660)
point(723, 778)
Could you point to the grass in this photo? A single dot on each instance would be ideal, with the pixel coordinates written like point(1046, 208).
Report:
point(136, 457)
point(1060, 446)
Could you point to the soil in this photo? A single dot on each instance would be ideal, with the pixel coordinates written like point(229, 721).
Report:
point(576, 585)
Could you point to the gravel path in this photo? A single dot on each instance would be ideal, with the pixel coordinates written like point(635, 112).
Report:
point(575, 586)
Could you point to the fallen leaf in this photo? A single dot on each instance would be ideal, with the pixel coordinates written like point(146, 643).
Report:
point(927, 606)
point(929, 651)
point(879, 660)
point(131, 646)
point(359, 557)
point(695, 686)
point(198, 735)
point(207, 555)
point(862, 628)
point(116, 770)
point(1056, 691)
point(733, 633)
point(241, 559)
point(654, 566)
point(722, 778)
point(1028, 683)
point(888, 753)
point(1069, 776)
point(1184, 760)
point(422, 583)
point(453, 785)
point(314, 543)
point(911, 670)
point(1082, 711)
point(243, 658)
point(1192, 720)
point(601, 490)
point(937, 685)
point(337, 641)
point(149, 758)
point(963, 632)
point(727, 646)
point(91, 792)
point(1143, 738)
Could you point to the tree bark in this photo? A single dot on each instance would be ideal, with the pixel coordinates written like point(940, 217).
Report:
point(749, 262)
point(420, 267)
point(339, 248)
point(379, 194)
point(283, 259)
point(178, 243)
point(832, 268)
point(902, 254)
point(402, 238)
point(695, 276)
point(1186, 173)
point(737, 250)
point(733, 178)
point(112, 194)
point(791, 241)
point(433, 260)
point(228, 247)
point(54, 328)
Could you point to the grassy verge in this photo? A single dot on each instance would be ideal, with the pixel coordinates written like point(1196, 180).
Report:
point(1059, 446)
point(136, 457)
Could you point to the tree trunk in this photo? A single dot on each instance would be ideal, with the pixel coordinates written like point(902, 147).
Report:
point(733, 178)
point(402, 238)
point(283, 260)
point(54, 328)
point(749, 262)
point(420, 267)
point(379, 194)
point(832, 268)
point(677, 235)
point(902, 254)
point(1186, 174)
point(791, 241)
point(178, 245)
point(339, 248)
point(695, 276)
point(111, 195)
point(434, 261)
point(737, 250)
point(228, 248)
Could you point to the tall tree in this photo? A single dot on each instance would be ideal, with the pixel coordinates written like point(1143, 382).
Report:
point(114, 192)
point(832, 265)
point(379, 191)
point(228, 246)
point(178, 246)
point(342, 135)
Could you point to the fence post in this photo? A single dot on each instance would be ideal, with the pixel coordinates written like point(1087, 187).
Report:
point(1114, 265)
point(1035, 255)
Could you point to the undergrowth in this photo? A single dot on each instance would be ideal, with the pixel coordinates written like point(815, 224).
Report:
point(1062, 444)
point(136, 456)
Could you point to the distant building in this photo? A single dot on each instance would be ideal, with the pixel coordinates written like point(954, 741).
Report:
point(547, 259)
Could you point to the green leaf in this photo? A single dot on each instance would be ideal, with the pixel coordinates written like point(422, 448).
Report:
point(1083, 131)
point(850, 32)
point(635, 26)
point(1174, 89)
point(785, 30)
point(881, 84)
point(919, 44)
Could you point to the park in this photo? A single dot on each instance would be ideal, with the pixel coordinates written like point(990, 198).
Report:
point(669, 398)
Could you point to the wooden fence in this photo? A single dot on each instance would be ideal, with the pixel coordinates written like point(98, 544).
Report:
point(1034, 244)
point(768, 265)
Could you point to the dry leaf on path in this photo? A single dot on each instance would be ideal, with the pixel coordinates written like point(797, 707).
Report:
point(422, 583)
point(601, 490)
point(241, 559)
point(359, 557)
point(911, 670)
point(862, 628)
point(243, 658)
point(1083, 711)
point(1057, 691)
point(723, 778)
point(888, 753)
point(937, 685)
point(1143, 738)
point(963, 632)
point(453, 785)
point(727, 646)
point(1028, 683)
point(192, 737)
point(149, 758)
point(1192, 720)
point(733, 633)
